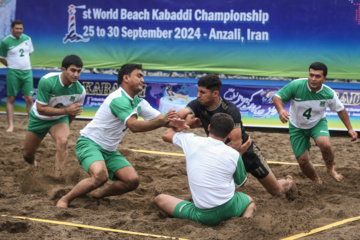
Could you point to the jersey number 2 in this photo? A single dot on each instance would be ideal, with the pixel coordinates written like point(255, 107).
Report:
point(21, 52)
point(307, 113)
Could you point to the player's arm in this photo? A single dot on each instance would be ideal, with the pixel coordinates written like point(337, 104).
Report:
point(169, 133)
point(161, 120)
point(279, 105)
point(3, 61)
point(72, 110)
point(236, 141)
point(71, 118)
point(189, 117)
point(343, 115)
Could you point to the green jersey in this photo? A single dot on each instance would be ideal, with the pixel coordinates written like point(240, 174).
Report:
point(307, 108)
point(17, 51)
point(53, 93)
point(108, 127)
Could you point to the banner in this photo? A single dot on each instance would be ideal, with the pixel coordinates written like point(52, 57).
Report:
point(254, 98)
point(256, 38)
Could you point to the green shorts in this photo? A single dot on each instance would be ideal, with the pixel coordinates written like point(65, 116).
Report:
point(300, 138)
point(213, 216)
point(19, 80)
point(41, 127)
point(87, 152)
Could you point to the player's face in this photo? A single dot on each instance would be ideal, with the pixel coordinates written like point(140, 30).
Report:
point(316, 79)
point(17, 30)
point(70, 75)
point(205, 96)
point(136, 81)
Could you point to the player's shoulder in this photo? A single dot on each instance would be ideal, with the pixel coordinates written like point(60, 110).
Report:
point(119, 97)
point(194, 105)
point(6, 39)
point(194, 102)
point(328, 91)
point(79, 87)
point(51, 75)
point(298, 81)
point(228, 106)
point(25, 37)
point(231, 152)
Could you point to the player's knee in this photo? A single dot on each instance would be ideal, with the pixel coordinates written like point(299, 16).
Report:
point(251, 209)
point(11, 99)
point(132, 183)
point(159, 199)
point(303, 160)
point(28, 100)
point(326, 148)
point(99, 178)
point(99, 181)
point(61, 143)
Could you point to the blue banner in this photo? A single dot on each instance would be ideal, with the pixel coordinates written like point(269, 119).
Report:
point(261, 38)
point(254, 98)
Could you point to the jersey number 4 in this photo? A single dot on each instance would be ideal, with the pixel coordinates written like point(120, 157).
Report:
point(307, 113)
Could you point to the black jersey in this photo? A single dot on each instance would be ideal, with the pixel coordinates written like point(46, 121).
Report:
point(254, 161)
point(224, 107)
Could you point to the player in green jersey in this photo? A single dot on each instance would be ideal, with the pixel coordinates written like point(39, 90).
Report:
point(309, 99)
point(96, 147)
point(15, 51)
point(59, 100)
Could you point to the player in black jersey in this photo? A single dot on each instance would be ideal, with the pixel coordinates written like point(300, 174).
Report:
point(199, 111)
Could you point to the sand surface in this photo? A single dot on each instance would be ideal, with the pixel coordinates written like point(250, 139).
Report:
point(34, 193)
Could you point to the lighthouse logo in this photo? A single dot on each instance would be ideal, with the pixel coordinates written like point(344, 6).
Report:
point(72, 35)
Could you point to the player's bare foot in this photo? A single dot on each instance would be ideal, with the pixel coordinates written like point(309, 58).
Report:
point(337, 176)
point(293, 191)
point(62, 203)
point(10, 129)
point(317, 181)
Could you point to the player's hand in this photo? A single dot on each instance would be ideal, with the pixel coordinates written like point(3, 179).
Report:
point(245, 146)
point(284, 116)
point(353, 135)
point(178, 124)
point(74, 109)
point(192, 121)
point(171, 114)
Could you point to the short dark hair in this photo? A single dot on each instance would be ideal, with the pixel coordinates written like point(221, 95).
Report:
point(211, 82)
point(319, 66)
point(15, 22)
point(127, 69)
point(221, 124)
point(72, 60)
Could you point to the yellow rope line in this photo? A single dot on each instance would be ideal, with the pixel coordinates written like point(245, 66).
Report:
point(93, 227)
point(316, 230)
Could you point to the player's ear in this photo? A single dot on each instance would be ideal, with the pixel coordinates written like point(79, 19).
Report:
point(216, 93)
point(209, 128)
point(126, 78)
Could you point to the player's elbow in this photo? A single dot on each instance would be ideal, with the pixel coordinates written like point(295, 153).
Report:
point(166, 137)
point(41, 111)
point(135, 129)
